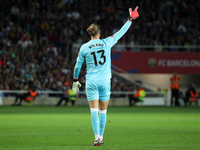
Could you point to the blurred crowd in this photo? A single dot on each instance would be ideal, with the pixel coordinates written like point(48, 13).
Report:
point(36, 37)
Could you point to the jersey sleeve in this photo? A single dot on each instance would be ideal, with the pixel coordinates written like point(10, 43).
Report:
point(79, 61)
point(112, 40)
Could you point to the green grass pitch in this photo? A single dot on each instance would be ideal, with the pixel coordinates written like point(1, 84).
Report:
point(128, 128)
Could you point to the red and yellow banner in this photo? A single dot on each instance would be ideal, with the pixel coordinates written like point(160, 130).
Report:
point(157, 62)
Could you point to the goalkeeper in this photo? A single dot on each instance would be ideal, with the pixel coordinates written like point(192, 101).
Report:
point(97, 53)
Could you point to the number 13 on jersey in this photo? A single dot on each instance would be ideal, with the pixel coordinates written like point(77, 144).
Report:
point(102, 57)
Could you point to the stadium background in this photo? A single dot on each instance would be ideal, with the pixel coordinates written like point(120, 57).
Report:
point(39, 42)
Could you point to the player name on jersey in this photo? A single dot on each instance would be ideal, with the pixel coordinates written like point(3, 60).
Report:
point(94, 45)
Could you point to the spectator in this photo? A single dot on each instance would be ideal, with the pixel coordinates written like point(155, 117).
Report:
point(191, 96)
point(28, 97)
point(175, 90)
point(138, 97)
point(65, 95)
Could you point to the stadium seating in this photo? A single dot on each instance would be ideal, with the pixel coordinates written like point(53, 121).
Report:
point(36, 37)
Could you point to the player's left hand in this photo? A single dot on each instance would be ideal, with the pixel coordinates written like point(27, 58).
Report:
point(75, 87)
point(134, 14)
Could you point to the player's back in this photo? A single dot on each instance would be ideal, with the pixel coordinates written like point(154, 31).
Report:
point(96, 53)
point(97, 56)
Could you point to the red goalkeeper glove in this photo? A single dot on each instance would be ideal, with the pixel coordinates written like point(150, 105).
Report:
point(134, 14)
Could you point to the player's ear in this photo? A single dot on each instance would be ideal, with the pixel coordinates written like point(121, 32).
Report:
point(99, 32)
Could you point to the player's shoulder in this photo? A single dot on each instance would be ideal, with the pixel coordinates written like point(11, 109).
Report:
point(109, 39)
point(84, 47)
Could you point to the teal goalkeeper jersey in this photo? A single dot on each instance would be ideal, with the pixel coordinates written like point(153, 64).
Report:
point(96, 53)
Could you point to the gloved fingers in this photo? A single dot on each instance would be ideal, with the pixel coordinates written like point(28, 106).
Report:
point(79, 85)
point(74, 90)
point(130, 11)
point(136, 8)
point(74, 85)
point(137, 16)
point(77, 89)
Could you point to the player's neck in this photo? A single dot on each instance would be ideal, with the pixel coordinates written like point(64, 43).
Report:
point(94, 38)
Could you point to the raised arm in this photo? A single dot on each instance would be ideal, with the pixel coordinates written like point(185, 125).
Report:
point(121, 32)
point(112, 40)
